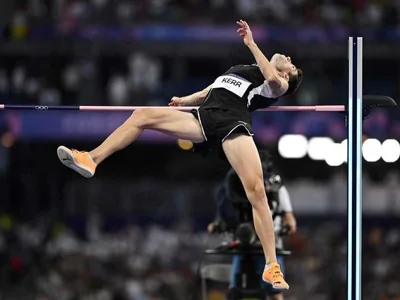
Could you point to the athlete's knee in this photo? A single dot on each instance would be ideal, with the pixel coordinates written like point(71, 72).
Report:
point(255, 190)
point(144, 117)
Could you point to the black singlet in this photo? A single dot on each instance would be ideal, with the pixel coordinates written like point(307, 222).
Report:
point(242, 87)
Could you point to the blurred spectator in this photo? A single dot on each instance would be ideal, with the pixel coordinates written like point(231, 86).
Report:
point(118, 90)
point(144, 78)
point(142, 263)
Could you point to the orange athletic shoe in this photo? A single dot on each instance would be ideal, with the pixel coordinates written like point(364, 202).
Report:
point(273, 275)
point(79, 161)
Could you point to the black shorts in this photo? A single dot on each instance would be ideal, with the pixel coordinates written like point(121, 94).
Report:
point(217, 125)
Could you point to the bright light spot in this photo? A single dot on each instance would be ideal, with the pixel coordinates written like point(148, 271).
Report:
point(292, 146)
point(372, 150)
point(334, 155)
point(185, 144)
point(390, 151)
point(318, 147)
point(343, 146)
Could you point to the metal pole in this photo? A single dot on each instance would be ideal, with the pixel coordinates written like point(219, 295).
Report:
point(355, 106)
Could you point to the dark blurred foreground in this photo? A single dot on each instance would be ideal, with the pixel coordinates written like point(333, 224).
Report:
point(43, 259)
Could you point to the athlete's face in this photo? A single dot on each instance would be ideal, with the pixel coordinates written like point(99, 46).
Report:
point(284, 65)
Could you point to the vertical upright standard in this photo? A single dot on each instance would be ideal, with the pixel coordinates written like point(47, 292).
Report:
point(355, 108)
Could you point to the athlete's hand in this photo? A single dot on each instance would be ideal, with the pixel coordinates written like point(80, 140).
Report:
point(211, 228)
point(245, 32)
point(289, 219)
point(176, 101)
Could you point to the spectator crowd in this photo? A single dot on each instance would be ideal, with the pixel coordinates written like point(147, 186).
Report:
point(42, 260)
point(290, 12)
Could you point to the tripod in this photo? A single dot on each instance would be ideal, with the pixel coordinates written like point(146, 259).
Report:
point(248, 284)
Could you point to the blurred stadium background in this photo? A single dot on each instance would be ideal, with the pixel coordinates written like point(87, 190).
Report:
point(137, 230)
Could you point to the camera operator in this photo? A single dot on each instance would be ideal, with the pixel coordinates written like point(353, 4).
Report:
point(229, 216)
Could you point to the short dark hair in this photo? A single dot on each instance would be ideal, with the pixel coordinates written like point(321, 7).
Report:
point(294, 83)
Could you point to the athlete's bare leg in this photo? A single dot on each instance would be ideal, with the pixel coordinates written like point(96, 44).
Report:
point(176, 123)
point(243, 156)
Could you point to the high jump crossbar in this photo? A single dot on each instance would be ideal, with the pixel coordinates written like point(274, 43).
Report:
point(182, 108)
point(369, 101)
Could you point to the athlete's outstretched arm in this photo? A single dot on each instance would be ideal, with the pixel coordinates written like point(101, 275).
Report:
point(277, 83)
point(193, 99)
